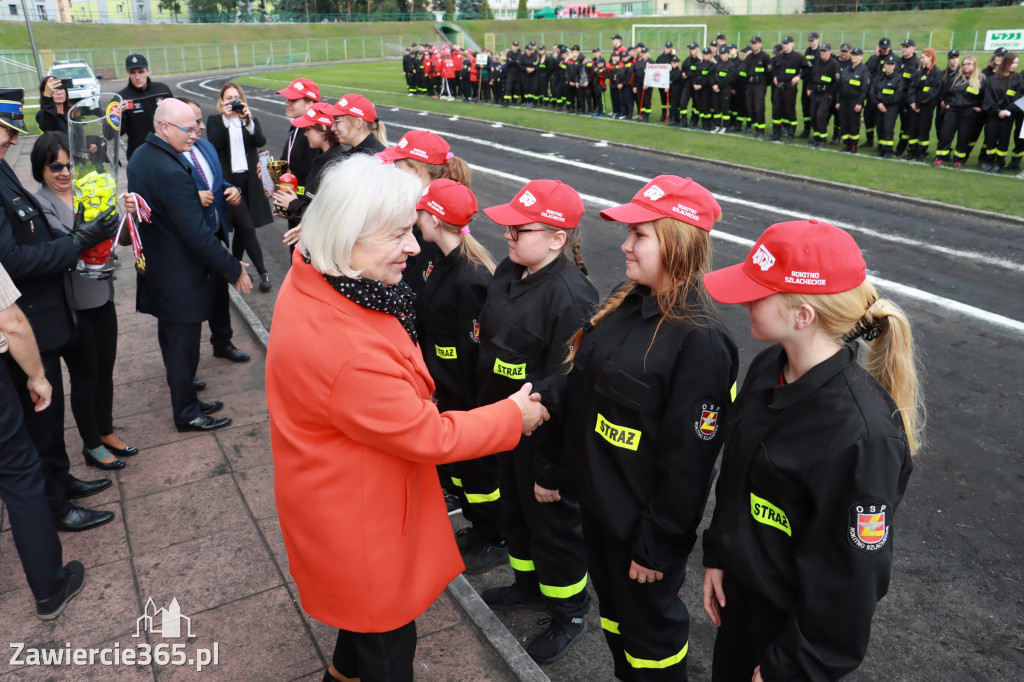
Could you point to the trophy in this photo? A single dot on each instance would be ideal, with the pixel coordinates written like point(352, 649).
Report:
point(277, 169)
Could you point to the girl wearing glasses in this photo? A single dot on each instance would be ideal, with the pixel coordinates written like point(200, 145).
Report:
point(539, 296)
point(237, 136)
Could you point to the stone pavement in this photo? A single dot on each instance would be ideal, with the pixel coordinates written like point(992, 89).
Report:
point(196, 522)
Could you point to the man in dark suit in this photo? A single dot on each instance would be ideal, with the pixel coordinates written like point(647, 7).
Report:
point(185, 262)
point(41, 263)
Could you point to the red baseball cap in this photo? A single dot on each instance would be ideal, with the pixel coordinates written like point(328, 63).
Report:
point(798, 257)
point(669, 196)
point(356, 105)
point(320, 113)
point(551, 202)
point(302, 88)
point(449, 201)
point(421, 145)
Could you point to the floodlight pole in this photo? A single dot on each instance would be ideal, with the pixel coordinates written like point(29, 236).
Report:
point(32, 40)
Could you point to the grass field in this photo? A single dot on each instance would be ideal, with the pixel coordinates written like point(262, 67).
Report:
point(384, 85)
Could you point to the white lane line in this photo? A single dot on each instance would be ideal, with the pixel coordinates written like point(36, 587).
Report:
point(947, 304)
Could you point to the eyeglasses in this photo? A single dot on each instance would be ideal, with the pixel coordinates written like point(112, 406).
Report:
point(515, 230)
point(58, 167)
point(194, 130)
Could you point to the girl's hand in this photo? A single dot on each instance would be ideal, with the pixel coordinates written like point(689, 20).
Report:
point(714, 594)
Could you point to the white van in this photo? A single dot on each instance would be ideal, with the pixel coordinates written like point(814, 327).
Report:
point(83, 82)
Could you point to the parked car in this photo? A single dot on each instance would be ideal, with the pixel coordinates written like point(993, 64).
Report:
point(78, 78)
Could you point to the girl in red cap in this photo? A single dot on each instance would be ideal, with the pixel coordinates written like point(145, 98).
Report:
point(817, 458)
point(650, 380)
point(318, 126)
point(357, 125)
point(539, 296)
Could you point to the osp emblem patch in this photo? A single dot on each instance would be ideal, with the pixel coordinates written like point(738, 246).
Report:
point(706, 425)
point(430, 269)
point(869, 526)
point(475, 334)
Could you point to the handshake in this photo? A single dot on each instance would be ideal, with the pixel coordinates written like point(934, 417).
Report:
point(534, 413)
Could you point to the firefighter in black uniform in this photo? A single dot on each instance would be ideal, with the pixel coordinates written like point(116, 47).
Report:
point(997, 104)
point(597, 71)
point(650, 383)
point(845, 62)
point(853, 94)
point(875, 69)
point(559, 82)
point(611, 78)
point(539, 297)
point(691, 69)
point(703, 92)
point(665, 58)
point(624, 84)
point(963, 97)
point(138, 101)
point(787, 66)
point(739, 118)
point(927, 84)
point(408, 70)
point(758, 66)
point(575, 74)
point(822, 86)
point(513, 76)
point(531, 77)
point(817, 458)
point(907, 65)
point(675, 90)
point(642, 95)
point(886, 94)
point(952, 69)
point(544, 62)
point(810, 58)
point(722, 79)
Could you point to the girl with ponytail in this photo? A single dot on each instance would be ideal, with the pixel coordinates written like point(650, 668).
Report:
point(650, 381)
point(817, 458)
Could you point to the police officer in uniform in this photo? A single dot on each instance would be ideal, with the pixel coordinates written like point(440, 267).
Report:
point(810, 58)
point(853, 94)
point(886, 94)
point(40, 262)
point(906, 66)
point(758, 66)
point(875, 69)
point(787, 67)
point(822, 86)
point(138, 101)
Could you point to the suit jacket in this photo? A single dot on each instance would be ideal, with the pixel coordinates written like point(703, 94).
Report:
point(218, 185)
point(184, 260)
point(356, 440)
point(255, 199)
point(41, 262)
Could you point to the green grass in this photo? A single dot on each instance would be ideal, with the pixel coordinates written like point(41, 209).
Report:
point(384, 85)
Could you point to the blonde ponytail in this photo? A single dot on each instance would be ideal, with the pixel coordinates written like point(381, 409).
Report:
point(453, 169)
point(379, 130)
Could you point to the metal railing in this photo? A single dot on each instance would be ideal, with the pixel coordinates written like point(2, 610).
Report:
point(899, 5)
point(83, 14)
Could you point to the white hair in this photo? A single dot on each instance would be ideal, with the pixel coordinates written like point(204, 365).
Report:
point(357, 198)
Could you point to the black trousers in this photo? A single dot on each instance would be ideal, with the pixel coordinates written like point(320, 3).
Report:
point(738, 106)
point(513, 88)
point(958, 122)
point(749, 625)
point(179, 345)
point(220, 318)
point(90, 360)
point(997, 138)
point(46, 429)
point(646, 626)
point(644, 97)
point(784, 105)
point(376, 656)
point(821, 109)
point(755, 104)
point(685, 96)
point(805, 108)
point(23, 491)
point(245, 240)
point(920, 126)
point(720, 105)
point(596, 98)
point(702, 103)
point(616, 99)
point(478, 488)
point(545, 541)
point(906, 114)
point(885, 126)
point(675, 94)
point(849, 121)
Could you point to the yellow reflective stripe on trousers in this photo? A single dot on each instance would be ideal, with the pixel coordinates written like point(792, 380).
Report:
point(610, 625)
point(520, 564)
point(663, 663)
point(556, 592)
point(477, 498)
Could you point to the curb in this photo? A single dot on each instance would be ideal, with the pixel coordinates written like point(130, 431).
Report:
point(501, 640)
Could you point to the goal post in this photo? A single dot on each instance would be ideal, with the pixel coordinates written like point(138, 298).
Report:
point(679, 34)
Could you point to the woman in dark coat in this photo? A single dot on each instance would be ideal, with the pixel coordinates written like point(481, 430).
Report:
point(52, 116)
point(237, 136)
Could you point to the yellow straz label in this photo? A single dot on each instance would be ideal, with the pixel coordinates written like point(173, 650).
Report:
point(767, 513)
point(619, 436)
point(504, 369)
point(854, 81)
point(888, 91)
point(446, 352)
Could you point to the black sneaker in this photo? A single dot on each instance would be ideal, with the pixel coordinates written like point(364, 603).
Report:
point(484, 555)
point(555, 642)
point(511, 597)
point(74, 581)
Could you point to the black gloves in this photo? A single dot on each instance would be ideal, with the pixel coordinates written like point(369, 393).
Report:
point(87, 234)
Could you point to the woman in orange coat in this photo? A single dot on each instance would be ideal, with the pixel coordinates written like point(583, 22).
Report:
point(354, 432)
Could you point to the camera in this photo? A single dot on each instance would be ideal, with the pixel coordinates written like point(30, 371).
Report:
point(237, 105)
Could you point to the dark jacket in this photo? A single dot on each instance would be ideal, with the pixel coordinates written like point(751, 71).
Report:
point(958, 94)
point(49, 119)
point(137, 109)
point(855, 82)
point(299, 204)
point(811, 476)
point(642, 425)
point(1000, 95)
point(887, 90)
point(299, 155)
point(216, 214)
point(184, 260)
point(40, 261)
point(906, 68)
point(724, 75)
point(823, 77)
point(927, 86)
point(256, 201)
point(785, 66)
point(758, 67)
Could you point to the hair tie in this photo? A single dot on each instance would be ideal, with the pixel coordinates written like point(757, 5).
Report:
point(869, 331)
point(464, 229)
point(448, 156)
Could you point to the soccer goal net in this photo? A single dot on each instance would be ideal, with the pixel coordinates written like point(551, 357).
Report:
point(654, 36)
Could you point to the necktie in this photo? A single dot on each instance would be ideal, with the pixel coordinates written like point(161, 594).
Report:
point(206, 182)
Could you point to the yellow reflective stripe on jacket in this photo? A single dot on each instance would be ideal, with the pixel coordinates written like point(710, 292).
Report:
point(446, 352)
point(457, 481)
point(557, 592)
point(767, 513)
point(505, 369)
point(732, 392)
point(477, 498)
point(610, 625)
point(826, 79)
point(663, 663)
point(520, 564)
point(854, 81)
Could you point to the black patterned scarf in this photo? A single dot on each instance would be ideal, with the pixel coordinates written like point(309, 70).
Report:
point(395, 300)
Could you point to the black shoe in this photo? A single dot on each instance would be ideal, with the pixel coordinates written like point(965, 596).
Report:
point(555, 642)
point(198, 385)
point(231, 353)
point(210, 407)
point(466, 538)
point(265, 282)
point(79, 519)
point(79, 488)
point(74, 581)
point(108, 464)
point(204, 422)
point(483, 556)
point(805, 133)
point(126, 451)
point(511, 597)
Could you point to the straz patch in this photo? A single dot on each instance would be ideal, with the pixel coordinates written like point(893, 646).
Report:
point(767, 513)
point(474, 335)
point(446, 352)
point(868, 528)
point(504, 369)
point(706, 424)
point(619, 436)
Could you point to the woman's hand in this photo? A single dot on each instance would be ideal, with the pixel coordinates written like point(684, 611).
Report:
point(51, 85)
point(643, 575)
point(130, 205)
point(714, 594)
point(757, 675)
point(283, 197)
point(246, 114)
point(291, 237)
point(534, 414)
point(545, 495)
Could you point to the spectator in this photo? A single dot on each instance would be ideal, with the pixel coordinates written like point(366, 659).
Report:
point(237, 136)
point(139, 100)
point(52, 116)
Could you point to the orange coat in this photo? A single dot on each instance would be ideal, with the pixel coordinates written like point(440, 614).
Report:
point(355, 440)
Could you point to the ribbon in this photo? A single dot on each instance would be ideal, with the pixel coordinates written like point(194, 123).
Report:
point(144, 212)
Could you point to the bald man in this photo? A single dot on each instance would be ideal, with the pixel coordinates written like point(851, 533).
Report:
point(185, 261)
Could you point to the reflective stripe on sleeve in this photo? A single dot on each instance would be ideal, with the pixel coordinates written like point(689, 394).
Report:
point(663, 663)
point(732, 392)
point(557, 592)
point(457, 481)
point(524, 565)
point(610, 625)
point(477, 498)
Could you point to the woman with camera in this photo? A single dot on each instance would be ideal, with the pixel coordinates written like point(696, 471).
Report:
point(52, 116)
point(237, 136)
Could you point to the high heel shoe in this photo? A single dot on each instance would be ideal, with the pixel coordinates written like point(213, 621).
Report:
point(92, 458)
point(126, 451)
